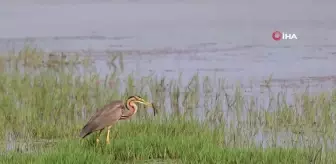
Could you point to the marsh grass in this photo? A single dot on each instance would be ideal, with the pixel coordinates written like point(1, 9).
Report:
point(162, 141)
point(47, 99)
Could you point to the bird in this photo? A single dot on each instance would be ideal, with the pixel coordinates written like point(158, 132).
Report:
point(110, 114)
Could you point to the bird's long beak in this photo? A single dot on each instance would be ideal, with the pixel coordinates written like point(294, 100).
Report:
point(146, 103)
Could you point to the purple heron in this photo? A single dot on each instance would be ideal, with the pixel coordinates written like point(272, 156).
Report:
point(109, 115)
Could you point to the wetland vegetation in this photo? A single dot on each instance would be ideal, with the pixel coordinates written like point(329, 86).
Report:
point(45, 101)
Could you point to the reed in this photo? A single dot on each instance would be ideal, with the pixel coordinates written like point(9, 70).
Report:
point(45, 101)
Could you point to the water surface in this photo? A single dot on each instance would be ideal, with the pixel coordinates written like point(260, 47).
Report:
point(231, 38)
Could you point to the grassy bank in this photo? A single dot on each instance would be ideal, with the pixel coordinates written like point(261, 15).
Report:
point(45, 102)
point(163, 141)
point(157, 148)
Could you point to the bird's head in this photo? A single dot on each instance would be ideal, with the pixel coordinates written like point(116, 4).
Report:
point(140, 100)
point(137, 99)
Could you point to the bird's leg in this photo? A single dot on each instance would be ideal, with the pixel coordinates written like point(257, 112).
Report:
point(97, 140)
point(108, 135)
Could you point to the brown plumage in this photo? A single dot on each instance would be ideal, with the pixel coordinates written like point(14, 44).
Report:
point(110, 114)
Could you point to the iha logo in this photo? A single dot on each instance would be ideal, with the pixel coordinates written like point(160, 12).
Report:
point(277, 35)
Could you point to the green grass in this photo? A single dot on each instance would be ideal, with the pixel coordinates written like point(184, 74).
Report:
point(44, 105)
point(189, 152)
point(168, 141)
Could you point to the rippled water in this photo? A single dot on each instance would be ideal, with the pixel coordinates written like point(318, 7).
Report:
point(230, 38)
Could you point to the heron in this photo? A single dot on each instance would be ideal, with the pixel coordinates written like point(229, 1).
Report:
point(110, 114)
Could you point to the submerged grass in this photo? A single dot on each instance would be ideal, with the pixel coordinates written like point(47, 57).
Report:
point(45, 102)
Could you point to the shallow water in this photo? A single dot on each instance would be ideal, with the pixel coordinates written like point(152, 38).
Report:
point(230, 38)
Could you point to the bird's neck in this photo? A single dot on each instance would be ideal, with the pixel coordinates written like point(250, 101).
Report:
point(132, 109)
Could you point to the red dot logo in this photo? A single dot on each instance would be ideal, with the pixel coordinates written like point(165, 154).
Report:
point(277, 35)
